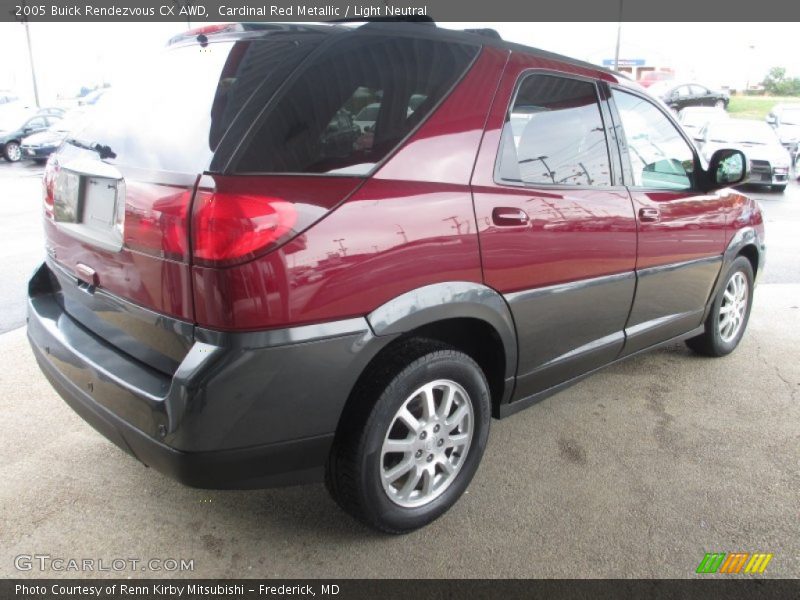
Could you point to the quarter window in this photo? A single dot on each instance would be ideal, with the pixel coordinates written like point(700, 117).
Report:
point(383, 86)
point(660, 157)
point(554, 135)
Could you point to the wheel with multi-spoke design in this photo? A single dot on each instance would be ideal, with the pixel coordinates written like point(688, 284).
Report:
point(729, 313)
point(11, 152)
point(427, 442)
point(411, 438)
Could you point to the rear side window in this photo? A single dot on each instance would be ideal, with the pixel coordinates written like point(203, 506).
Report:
point(353, 104)
point(554, 135)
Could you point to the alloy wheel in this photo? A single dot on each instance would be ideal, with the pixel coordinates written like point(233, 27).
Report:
point(427, 443)
point(733, 308)
point(13, 152)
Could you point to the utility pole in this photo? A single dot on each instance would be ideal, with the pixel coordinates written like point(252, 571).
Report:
point(619, 36)
point(342, 247)
point(24, 21)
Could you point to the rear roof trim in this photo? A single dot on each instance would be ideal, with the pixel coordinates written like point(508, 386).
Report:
point(398, 26)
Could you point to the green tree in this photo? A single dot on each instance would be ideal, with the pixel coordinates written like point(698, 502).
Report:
point(777, 84)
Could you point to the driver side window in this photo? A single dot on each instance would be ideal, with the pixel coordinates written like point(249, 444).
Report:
point(660, 157)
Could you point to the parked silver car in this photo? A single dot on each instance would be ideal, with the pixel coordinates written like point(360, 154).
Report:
point(694, 118)
point(785, 119)
point(769, 160)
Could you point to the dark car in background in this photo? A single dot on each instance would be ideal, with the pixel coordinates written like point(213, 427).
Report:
point(13, 132)
point(240, 297)
point(39, 146)
point(680, 95)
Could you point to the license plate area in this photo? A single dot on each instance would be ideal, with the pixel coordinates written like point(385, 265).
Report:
point(90, 207)
point(99, 202)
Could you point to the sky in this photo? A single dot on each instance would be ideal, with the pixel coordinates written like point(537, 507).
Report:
point(69, 56)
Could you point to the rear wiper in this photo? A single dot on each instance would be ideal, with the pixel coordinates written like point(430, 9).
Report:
point(754, 143)
point(103, 151)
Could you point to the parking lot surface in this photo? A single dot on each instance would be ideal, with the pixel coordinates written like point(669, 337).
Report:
point(635, 472)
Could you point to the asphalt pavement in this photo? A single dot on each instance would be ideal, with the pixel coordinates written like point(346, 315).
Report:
point(21, 237)
point(637, 471)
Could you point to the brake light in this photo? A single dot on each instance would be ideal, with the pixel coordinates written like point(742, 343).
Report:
point(48, 186)
point(207, 30)
point(231, 228)
point(155, 221)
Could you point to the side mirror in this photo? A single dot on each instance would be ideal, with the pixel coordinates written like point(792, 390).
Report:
point(772, 120)
point(727, 167)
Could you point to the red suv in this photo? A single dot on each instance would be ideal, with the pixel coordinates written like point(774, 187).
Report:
point(246, 286)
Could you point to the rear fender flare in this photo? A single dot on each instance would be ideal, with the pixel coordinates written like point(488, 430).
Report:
point(449, 300)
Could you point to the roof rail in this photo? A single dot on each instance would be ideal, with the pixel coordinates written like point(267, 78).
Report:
point(485, 32)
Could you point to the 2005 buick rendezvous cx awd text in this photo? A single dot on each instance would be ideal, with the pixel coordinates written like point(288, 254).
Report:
point(246, 287)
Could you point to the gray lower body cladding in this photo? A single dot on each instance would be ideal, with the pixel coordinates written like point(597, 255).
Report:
point(241, 410)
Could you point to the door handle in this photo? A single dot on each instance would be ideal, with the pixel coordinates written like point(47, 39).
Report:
point(649, 215)
point(505, 216)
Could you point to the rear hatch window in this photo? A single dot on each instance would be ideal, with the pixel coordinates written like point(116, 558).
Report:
point(173, 113)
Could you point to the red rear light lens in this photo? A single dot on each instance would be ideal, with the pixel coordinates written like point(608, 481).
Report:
point(232, 228)
point(48, 186)
point(155, 221)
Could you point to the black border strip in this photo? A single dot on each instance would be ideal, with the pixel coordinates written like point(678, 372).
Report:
point(730, 587)
point(208, 11)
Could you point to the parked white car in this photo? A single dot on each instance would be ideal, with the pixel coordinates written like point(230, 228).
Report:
point(694, 118)
point(769, 160)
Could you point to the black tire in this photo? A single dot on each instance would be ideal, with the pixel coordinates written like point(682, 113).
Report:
point(721, 104)
point(779, 188)
point(710, 342)
point(353, 474)
point(11, 152)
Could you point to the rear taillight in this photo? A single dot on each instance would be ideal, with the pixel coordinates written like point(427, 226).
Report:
point(155, 221)
point(48, 186)
point(229, 228)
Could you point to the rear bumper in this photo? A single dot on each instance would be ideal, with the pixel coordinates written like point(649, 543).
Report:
point(287, 463)
point(242, 410)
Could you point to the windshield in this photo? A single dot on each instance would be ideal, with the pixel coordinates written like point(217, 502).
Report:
point(791, 116)
point(741, 132)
